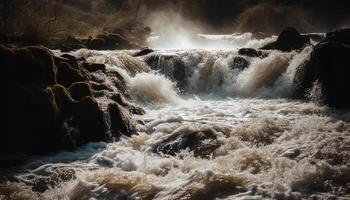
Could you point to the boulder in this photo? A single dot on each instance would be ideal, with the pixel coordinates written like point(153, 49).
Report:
point(240, 63)
point(121, 123)
point(80, 90)
point(90, 122)
point(326, 74)
point(67, 75)
point(288, 40)
point(32, 120)
point(341, 36)
point(31, 65)
point(191, 138)
point(251, 52)
point(93, 67)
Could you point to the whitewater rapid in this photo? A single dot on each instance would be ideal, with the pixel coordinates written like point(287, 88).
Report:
point(212, 130)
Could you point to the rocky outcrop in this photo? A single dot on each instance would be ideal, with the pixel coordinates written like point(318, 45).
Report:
point(326, 74)
point(341, 36)
point(289, 39)
point(41, 115)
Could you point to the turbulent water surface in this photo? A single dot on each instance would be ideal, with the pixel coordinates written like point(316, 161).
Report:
point(213, 129)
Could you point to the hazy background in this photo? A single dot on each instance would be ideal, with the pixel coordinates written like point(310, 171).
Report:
point(59, 18)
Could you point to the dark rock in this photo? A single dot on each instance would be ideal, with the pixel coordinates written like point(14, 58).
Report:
point(341, 36)
point(143, 52)
point(328, 67)
point(121, 123)
point(79, 90)
point(40, 115)
point(63, 100)
point(118, 98)
point(185, 137)
point(67, 75)
point(315, 36)
point(240, 63)
point(93, 67)
point(165, 62)
point(96, 44)
point(90, 121)
point(31, 65)
point(251, 52)
point(288, 40)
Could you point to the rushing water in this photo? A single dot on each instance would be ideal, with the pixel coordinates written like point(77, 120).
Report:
point(212, 130)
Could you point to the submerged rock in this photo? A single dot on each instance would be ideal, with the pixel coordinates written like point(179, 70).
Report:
point(251, 52)
point(201, 141)
point(289, 39)
point(240, 63)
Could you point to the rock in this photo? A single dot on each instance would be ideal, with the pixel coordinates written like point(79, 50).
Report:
point(89, 119)
point(93, 67)
point(288, 40)
point(328, 67)
point(315, 36)
point(80, 90)
point(251, 52)
point(31, 65)
point(32, 120)
point(121, 123)
point(143, 52)
point(67, 75)
point(188, 137)
point(240, 63)
point(40, 115)
point(291, 153)
point(118, 98)
point(96, 44)
point(63, 100)
point(341, 36)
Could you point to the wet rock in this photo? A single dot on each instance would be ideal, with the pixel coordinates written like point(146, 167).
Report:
point(170, 65)
point(341, 36)
point(240, 63)
point(315, 36)
point(32, 120)
point(291, 153)
point(31, 65)
point(96, 44)
point(118, 98)
point(201, 141)
point(93, 67)
point(89, 119)
point(80, 90)
point(143, 52)
point(289, 39)
point(67, 75)
point(251, 52)
point(40, 114)
point(121, 123)
point(326, 75)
